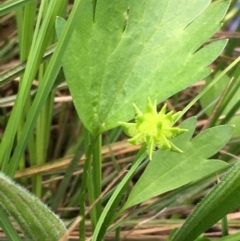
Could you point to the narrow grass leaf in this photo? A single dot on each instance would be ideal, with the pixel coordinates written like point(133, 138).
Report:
point(19, 69)
point(44, 89)
point(229, 105)
point(13, 5)
point(7, 227)
point(39, 45)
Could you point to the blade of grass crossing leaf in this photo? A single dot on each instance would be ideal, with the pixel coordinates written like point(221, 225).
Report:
point(226, 93)
point(231, 113)
point(233, 91)
point(208, 87)
point(107, 214)
point(216, 110)
point(44, 87)
point(224, 198)
point(175, 197)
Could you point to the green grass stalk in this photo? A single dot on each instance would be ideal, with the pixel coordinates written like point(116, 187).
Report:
point(97, 174)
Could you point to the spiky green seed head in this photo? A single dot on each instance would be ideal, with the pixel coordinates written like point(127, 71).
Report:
point(154, 129)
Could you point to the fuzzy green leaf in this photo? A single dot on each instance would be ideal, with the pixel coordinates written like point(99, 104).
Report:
point(170, 170)
point(36, 220)
point(130, 50)
point(224, 198)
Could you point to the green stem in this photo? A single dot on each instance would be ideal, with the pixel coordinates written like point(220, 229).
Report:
point(108, 212)
point(117, 233)
point(91, 195)
point(89, 145)
point(43, 131)
point(97, 174)
point(224, 226)
point(25, 23)
point(94, 184)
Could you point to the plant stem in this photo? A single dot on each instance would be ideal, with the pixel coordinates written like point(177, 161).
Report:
point(224, 226)
point(87, 172)
point(97, 173)
point(108, 212)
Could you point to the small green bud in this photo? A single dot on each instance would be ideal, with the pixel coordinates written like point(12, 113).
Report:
point(154, 129)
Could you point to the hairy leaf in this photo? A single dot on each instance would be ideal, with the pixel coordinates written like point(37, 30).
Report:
point(36, 220)
point(224, 198)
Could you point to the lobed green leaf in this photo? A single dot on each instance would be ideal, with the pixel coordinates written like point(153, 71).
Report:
point(170, 170)
point(125, 51)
